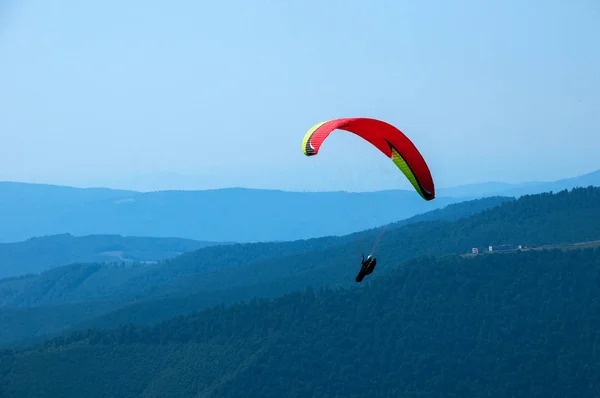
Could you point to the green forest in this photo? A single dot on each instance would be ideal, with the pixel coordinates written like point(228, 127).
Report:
point(287, 319)
point(519, 324)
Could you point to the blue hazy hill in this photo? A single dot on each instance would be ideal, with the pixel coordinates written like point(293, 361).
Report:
point(233, 214)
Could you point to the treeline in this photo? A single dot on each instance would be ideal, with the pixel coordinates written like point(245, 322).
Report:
point(520, 324)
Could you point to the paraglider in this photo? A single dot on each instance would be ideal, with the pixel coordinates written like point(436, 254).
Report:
point(391, 142)
point(367, 267)
point(385, 137)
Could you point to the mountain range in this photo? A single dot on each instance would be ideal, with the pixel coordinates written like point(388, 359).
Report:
point(433, 320)
point(473, 191)
point(80, 296)
point(227, 215)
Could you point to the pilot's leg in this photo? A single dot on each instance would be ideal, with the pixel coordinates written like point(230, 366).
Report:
point(361, 274)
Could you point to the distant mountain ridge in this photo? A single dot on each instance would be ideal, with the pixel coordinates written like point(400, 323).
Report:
point(474, 191)
point(233, 214)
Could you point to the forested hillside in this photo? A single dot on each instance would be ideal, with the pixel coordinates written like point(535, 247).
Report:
point(42, 253)
point(199, 262)
point(522, 324)
point(218, 275)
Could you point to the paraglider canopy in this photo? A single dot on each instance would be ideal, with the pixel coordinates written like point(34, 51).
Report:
point(385, 137)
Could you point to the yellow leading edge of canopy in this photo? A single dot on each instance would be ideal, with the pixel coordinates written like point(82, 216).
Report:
point(309, 134)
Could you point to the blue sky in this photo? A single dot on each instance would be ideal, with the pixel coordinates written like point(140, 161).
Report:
point(198, 94)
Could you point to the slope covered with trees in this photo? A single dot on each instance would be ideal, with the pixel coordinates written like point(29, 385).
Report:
point(42, 253)
point(218, 275)
point(522, 324)
point(30, 290)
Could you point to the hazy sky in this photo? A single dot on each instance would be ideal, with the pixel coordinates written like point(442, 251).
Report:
point(220, 93)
